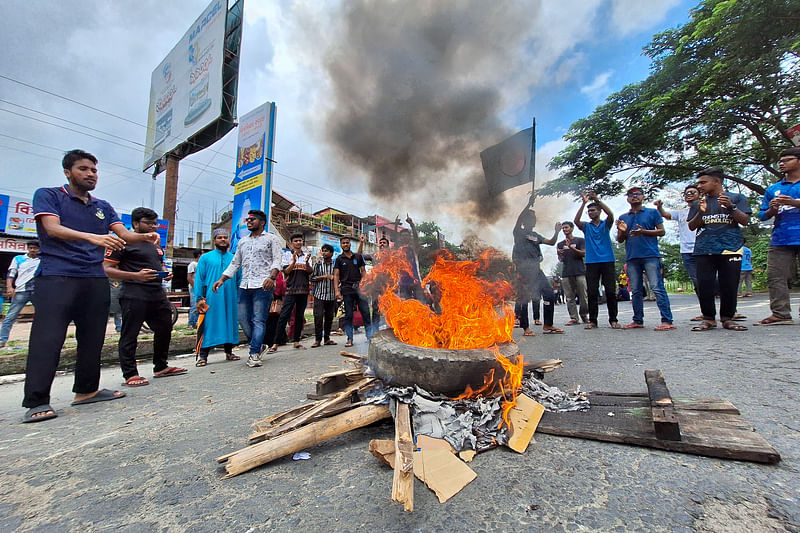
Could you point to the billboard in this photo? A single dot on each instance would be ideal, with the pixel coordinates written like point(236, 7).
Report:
point(162, 229)
point(16, 216)
point(252, 186)
point(186, 88)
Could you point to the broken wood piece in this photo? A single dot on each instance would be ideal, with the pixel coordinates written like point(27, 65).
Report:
point(383, 450)
point(547, 365)
point(443, 473)
point(279, 418)
point(524, 418)
point(302, 438)
point(665, 422)
point(332, 382)
point(351, 355)
point(277, 429)
point(403, 480)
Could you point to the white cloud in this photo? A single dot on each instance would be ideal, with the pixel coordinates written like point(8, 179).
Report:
point(599, 88)
point(633, 16)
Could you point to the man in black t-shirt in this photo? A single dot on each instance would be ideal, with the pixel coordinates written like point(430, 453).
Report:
point(573, 273)
point(348, 269)
point(142, 300)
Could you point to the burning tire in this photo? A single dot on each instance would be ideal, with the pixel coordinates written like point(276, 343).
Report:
point(433, 369)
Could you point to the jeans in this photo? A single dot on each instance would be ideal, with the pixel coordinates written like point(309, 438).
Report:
point(652, 267)
point(350, 302)
point(67, 299)
point(690, 264)
point(575, 286)
point(711, 268)
point(606, 274)
point(780, 266)
point(746, 282)
point(253, 310)
point(193, 314)
point(21, 298)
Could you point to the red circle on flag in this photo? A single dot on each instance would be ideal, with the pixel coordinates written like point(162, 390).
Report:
point(512, 162)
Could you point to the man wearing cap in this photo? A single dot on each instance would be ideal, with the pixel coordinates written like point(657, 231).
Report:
point(639, 229)
point(71, 285)
point(220, 307)
point(717, 217)
point(259, 256)
point(782, 202)
point(19, 286)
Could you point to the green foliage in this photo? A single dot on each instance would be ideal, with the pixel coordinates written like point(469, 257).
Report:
point(722, 92)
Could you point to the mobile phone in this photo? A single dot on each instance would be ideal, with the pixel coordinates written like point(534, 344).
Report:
point(162, 274)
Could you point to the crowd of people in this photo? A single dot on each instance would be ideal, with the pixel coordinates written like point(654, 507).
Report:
point(83, 244)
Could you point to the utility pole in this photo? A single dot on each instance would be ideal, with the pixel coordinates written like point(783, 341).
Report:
point(171, 199)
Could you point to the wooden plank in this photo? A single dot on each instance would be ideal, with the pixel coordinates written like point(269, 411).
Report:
point(524, 417)
point(274, 431)
point(403, 480)
point(665, 423)
point(709, 432)
point(383, 450)
point(302, 438)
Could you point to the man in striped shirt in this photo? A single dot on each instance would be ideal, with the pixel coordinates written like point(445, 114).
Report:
point(324, 297)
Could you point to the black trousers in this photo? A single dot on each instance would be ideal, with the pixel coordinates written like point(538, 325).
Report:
point(60, 300)
point(532, 285)
point(205, 351)
point(726, 269)
point(157, 314)
point(298, 302)
point(595, 273)
point(323, 318)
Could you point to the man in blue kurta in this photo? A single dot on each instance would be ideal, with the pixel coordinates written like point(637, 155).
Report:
point(221, 322)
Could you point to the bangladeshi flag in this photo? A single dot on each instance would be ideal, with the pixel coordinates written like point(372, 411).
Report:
point(508, 164)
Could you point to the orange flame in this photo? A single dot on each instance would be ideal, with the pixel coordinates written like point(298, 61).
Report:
point(474, 312)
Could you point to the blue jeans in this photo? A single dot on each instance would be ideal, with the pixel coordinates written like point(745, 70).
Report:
point(350, 302)
point(17, 303)
point(652, 267)
point(690, 264)
point(193, 314)
point(253, 310)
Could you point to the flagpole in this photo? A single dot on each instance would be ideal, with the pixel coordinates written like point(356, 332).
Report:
point(533, 162)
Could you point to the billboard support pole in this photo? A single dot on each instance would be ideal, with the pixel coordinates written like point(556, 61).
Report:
point(171, 199)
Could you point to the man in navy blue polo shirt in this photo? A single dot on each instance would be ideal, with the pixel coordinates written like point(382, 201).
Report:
point(639, 229)
point(782, 201)
point(73, 228)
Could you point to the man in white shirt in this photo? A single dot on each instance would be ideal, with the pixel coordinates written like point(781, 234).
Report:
point(259, 257)
point(686, 236)
point(19, 286)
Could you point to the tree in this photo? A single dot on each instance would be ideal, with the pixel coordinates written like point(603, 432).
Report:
point(722, 92)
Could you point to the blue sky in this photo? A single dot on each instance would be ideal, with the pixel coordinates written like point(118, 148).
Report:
point(557, 61)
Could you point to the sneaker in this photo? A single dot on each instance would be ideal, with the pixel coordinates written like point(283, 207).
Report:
point(254, 360)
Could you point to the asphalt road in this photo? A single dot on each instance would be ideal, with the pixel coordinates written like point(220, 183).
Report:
point(147, 462)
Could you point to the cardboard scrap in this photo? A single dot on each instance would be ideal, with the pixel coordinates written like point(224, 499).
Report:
point(435, 466)
point(467, 455)
point(424, 442)
point(524, 418)
point(443, 473)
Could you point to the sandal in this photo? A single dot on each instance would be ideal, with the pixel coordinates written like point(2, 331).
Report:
point(664, 327)
point(528, 333)
point(348, 344)
point(739, 317)
point(330, 343)
point(169, 371)
point(698, 318)
point(299, 347)
point(729, 324)
point(615, 325)
point(590, 325)
point(232, 357)
point(551, 330)
point(136, 381)
point(201, 362)
point(705, 326)
point(316, 345)
point(634, 325)
point(571, 323)
point(772, 320)
point(272, 349)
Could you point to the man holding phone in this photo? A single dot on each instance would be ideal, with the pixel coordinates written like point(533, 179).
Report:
point(297, 273)
point(140, 266)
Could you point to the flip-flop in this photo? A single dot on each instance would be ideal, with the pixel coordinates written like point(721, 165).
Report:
point(136, 381)
point(232, 357)
point(728, 324)
point(590, 326)
point(552, 331)
point(698, 318)
point(705, 326)
point(299, 347)
point(331, 343)
point(615, 325)
point(529, 334)
point(103, 395)
point(201, 362)
point(774, 321)
point(316, 345)
point(348, 344)
point(28, 417)
point(572, 323)
point(739, 317)
point(272, 349)
point(170, 371)
point(633, 325)
point(664, 327)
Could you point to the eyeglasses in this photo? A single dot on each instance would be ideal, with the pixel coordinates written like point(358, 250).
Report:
point(687, 193)
point(251, 219)
point(787, 159)
point(149, 222)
